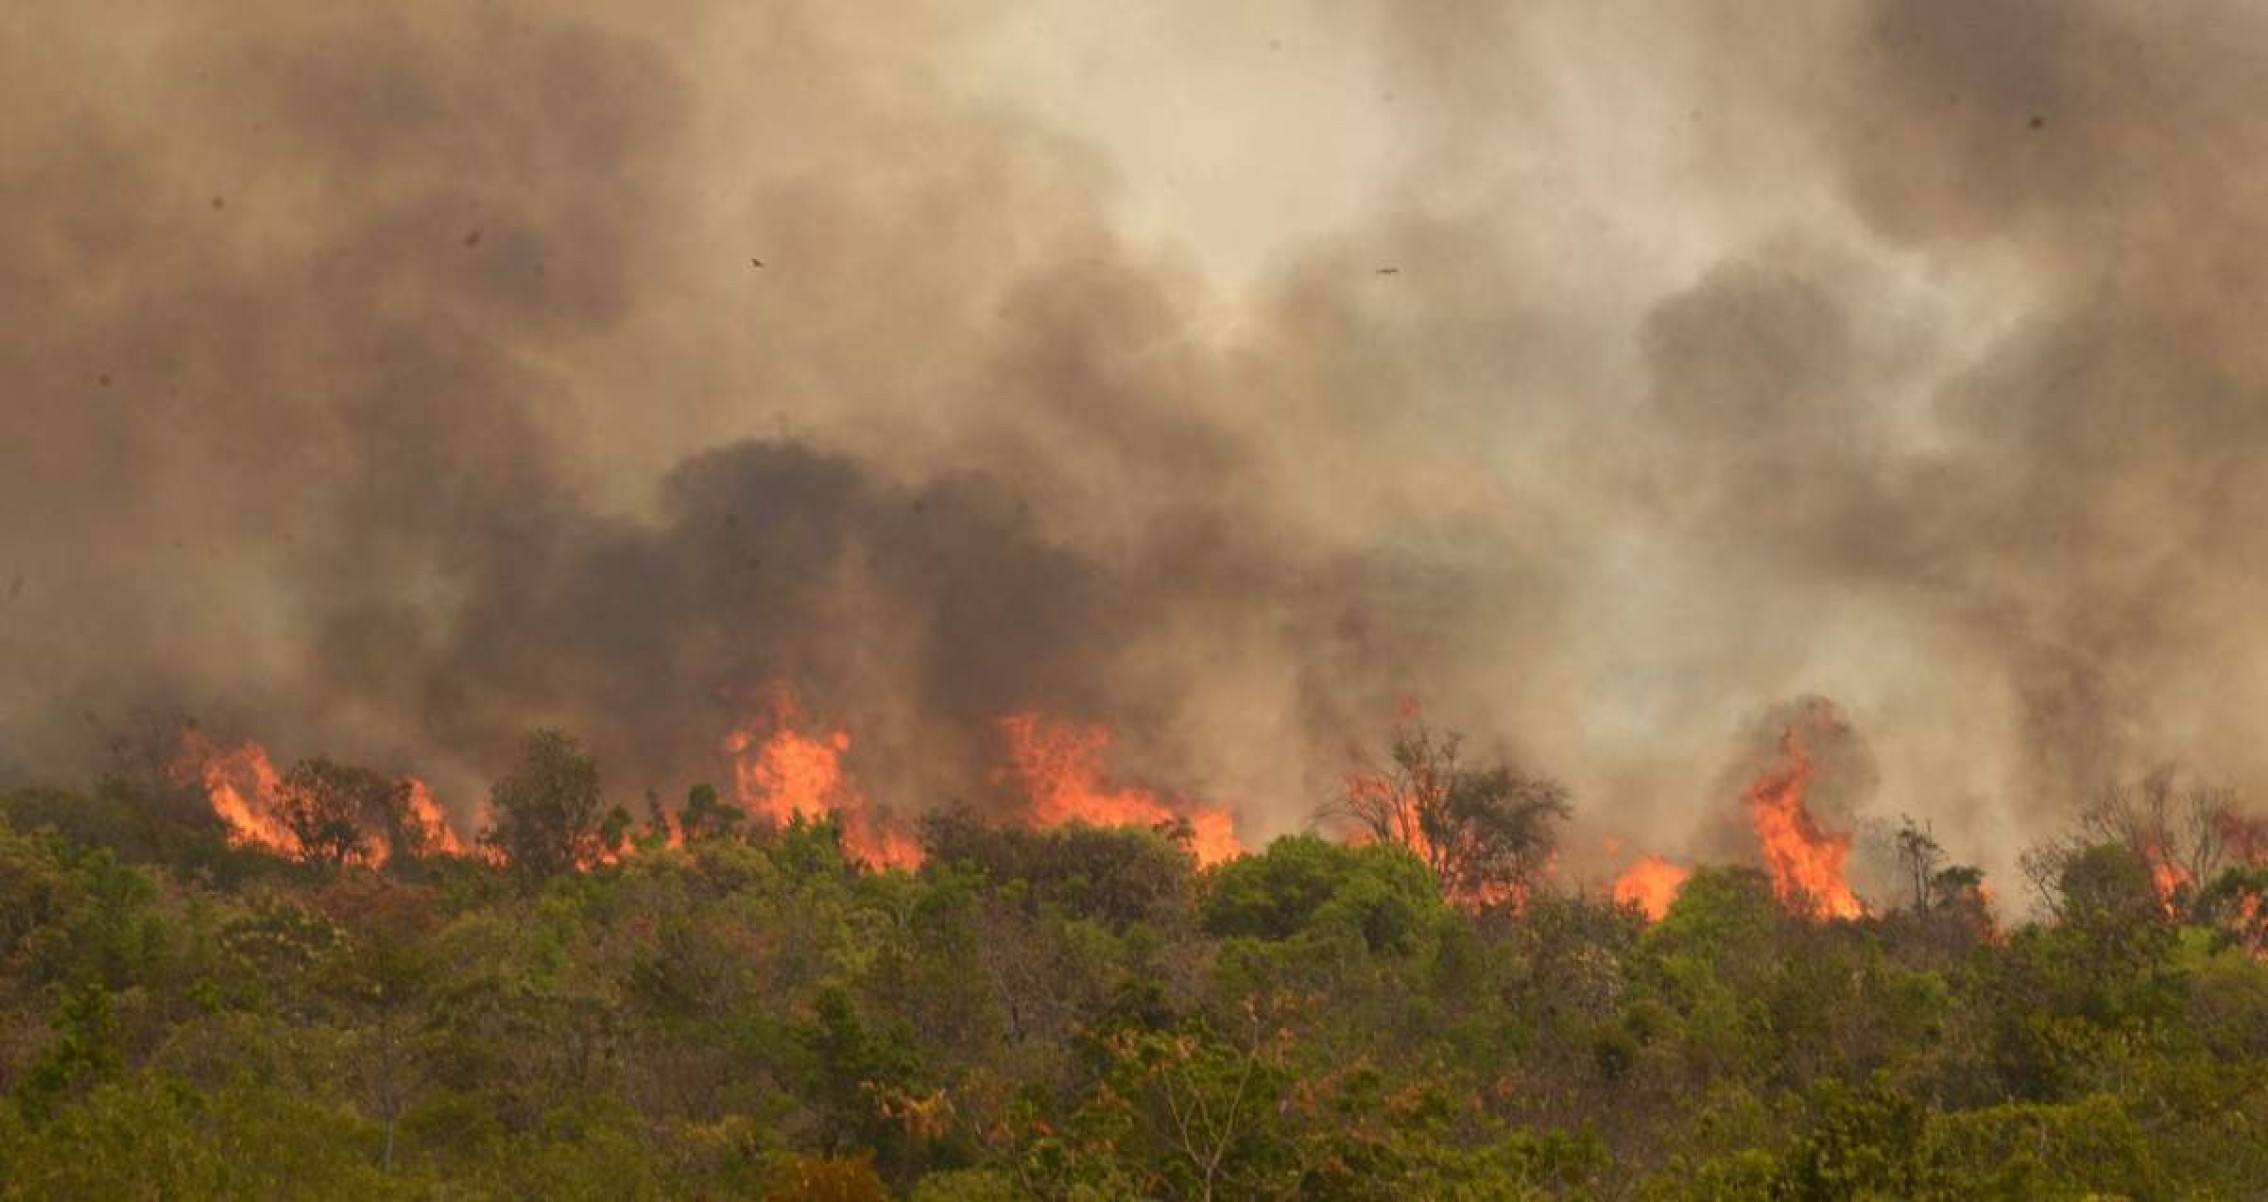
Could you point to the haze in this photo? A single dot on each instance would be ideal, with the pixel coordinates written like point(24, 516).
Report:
point(1605, 378)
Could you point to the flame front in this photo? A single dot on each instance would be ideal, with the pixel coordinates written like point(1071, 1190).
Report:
point(1806, 861)
point(2170, 880)
point(428, 823)
point(787, 774)
point(249, 795)
point(1651, 884)
point(242, 785)
point(1060, 767)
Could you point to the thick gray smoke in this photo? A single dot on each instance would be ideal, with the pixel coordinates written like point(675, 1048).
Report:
point(384, 383)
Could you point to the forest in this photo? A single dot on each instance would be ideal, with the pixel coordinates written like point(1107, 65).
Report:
point(697, 1001)
point(847, 601)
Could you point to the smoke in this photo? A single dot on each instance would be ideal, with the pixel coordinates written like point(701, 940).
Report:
point(387, 383)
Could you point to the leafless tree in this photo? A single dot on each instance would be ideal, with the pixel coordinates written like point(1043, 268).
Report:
point(2182, 830)
point(1485, 831)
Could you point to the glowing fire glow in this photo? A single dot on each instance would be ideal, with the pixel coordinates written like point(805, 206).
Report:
point(1376, 793)
point(1805, 860)
point(242, 785)
point(2168, 878)
point(1651, 884)
point(428, 823)
point(1060, 767)
point(249, 796)
point(788, 774)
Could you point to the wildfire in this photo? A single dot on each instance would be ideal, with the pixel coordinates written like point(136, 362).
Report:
point(427, 823)
point(1651, 884)
point(1806, 861)
point(250, 797)
point(2247, 838)
point(1376, 794)
point(242, 785)
point(788, 774)
point(1060, 767)
point(2168, 878)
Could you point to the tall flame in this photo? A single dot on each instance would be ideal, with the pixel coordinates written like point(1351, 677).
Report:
point(787, 774)
point(1060, 767)
point(2168, 878)
point(428, 822)
point(1651, 884)
point(1806, 861)
point(242, 785)
point(247, 793)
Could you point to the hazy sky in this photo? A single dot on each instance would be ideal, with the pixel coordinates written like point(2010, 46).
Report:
point(384, 380)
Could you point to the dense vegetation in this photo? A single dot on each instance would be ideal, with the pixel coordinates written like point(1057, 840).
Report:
point(1080, 1013)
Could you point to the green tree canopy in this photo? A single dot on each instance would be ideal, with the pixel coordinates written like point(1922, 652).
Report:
point(549, 816)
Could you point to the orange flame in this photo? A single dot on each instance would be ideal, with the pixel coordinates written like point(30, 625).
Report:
point(2167, 877)
point(1805, 860)
point(788, 774)
point(1399, 806)
point(429, 823)
point(1651, 884)
point(1060, 766)
point(247, 794)
point(242, 784)
point(2249, 926)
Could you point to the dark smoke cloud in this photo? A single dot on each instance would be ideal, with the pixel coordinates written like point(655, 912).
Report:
point(2082, 521)
point(315, 336)
point(386, 383)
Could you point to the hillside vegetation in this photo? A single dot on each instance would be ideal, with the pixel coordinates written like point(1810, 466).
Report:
point(1083, 1013)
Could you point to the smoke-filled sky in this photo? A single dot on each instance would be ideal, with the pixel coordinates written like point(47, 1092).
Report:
point(384, 380)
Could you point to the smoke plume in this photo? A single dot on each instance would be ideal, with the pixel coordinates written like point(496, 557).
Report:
point(388, 381)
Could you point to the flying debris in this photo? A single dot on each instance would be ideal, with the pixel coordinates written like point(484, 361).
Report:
point(1389, 271)
point(755, 262)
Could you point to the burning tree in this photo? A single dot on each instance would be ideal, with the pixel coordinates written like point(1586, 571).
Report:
point(336, 812)
point(321, 812)
point(1484, 831)
point(2236, 905)
point(2187, 835)
point(550, 816)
